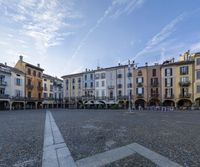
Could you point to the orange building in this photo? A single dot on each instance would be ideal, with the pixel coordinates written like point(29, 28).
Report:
point(33, 83)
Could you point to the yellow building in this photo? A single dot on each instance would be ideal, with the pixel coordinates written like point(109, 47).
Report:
point(33, 83)
point(196, 91)
point(177, 81)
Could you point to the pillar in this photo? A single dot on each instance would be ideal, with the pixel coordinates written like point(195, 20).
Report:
point(10, 103)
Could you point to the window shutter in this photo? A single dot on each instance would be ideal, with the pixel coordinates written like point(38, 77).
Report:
point(165, 72)
point(142, 79)
point(136, 90)
point(142, 90)
point(136, 80)
point(171, 81)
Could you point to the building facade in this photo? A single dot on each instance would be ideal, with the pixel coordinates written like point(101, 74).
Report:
point(33, 83)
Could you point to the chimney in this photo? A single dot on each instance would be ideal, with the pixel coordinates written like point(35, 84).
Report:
point(86, 69)
point(146, 64)
point(38, 65)
point(21, 58)
point(5, 64)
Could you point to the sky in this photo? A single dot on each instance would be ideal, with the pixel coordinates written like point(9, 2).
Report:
point(68, 36)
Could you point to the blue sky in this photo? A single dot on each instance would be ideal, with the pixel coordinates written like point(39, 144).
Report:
point(67, 36)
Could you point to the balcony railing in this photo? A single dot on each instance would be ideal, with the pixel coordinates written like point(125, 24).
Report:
point(140, 95)
point(29, 86)
point(111, 87)
point(169, 96)
point(187, 95)
point(4, 96)
point(18, 98)
point(3, 83)
point(156, 95)
point(139, 84)
point(184, 83)
point(40, 88)
point(154, 84)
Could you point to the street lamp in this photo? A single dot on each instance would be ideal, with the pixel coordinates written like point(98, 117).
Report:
point(129, 77)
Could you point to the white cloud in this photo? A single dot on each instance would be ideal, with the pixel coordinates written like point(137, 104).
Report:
point(41, 20)
point(160, 37)
point(117, 8)
point(195, 47)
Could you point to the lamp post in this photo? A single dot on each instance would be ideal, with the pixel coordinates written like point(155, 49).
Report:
point(129, 77)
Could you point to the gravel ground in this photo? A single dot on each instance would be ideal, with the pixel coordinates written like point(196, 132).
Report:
point(133, 161)
point(21, 138)
point(175, 135)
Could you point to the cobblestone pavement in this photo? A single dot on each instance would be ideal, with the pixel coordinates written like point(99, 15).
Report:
point(21, 138)
point(175, 135)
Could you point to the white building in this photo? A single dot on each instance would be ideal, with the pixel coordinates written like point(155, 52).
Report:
point(100, 84)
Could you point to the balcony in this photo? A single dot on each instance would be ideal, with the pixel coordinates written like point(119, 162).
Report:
point(123, 97)
point(18, 98)
point(184, 83)
point(169, 96)
point(140, 95)
point(88, 97)
point(40, 88)
point(111, 87)
point(29, 86)
point(4, 96)
point(187, 95)
point(3, 83)
point(156, 95)
point(154, 84)
point(140, 84)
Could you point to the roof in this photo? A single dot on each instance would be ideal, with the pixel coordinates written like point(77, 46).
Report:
point(179, 63)
point(51, 77)
point(33, 66)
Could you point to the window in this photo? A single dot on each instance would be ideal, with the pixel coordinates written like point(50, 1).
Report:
point(34, 73)
point(91, 76)
point(39, 84)
point(102, 83)
point(154, 72)
point(2, 91)
point(51, 88)
point(184, 70)
point(168, 82)
point(29, 71)
point(45, 95)
point(198, 88)
point(96, 76)
point(91, 84)
point(129, 74)
point(139, 73)
point(85, 77)
point(119, 93)
point(18, 93)
point(139, 80)
point(39, 74)
point(198, 74)
point(2, 78)
point(168, 72)
point(184, 79)
point(97, 84)
point(97, 93)
point(39, 95)
point(103, 75)
point(29, 94)
point(154, 81)
point(198, 61)
point(119, 86)
point(85, 85)
point(18, 81)
point(129, 85)
point(79, 80)
point(29, 82)
point(139, 91)
point(73, 80)
point(129, 92)
point(103, 93)
point(119, 75)
point(169, 92)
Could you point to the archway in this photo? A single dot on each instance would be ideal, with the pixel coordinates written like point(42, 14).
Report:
point(18, 105)
point(140, 102)
point(30, 105)
point(169, 103)
point(4, 105)
point(197, 102)
point(184, 103)
point(154, 102)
